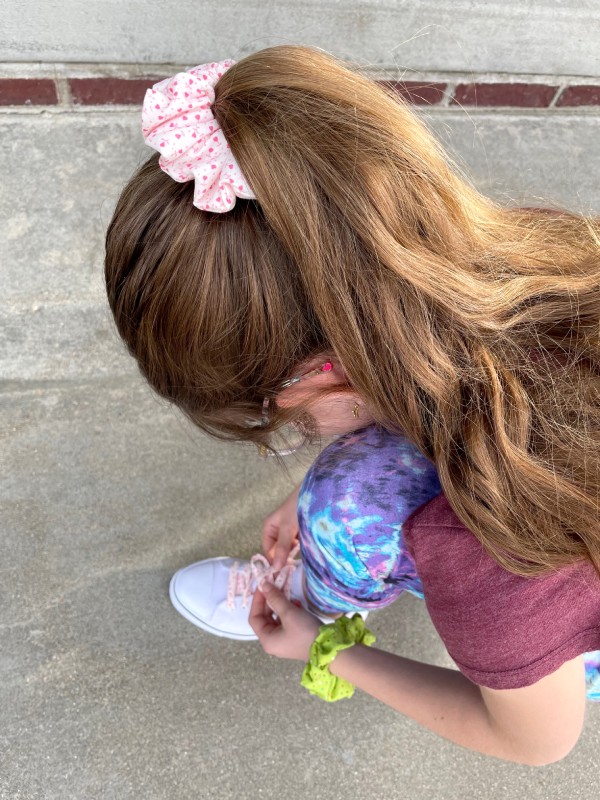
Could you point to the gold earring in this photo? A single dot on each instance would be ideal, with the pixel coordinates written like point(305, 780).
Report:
point(355, 410)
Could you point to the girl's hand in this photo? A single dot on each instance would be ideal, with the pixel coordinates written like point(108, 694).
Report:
point(292, 635)
point(280, 531)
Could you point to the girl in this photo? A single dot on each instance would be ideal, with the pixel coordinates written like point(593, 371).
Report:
point(304, 255)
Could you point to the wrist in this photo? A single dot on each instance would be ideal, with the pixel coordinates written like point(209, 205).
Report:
point(341, 664)
point(333, 639)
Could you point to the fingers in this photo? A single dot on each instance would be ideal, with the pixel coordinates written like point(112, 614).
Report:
point(269, 538)
point(277, 544)
point(279, 604)
point(260, 618)
point(279, 530)
point(282, 551)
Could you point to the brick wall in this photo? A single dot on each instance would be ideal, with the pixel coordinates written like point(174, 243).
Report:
point(106, 90)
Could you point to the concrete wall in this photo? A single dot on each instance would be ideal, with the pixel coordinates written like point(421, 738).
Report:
point(536, 37)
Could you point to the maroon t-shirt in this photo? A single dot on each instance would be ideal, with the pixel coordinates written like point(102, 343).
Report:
point(503, 631)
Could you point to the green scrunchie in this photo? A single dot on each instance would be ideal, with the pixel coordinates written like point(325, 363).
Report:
point(338, 635)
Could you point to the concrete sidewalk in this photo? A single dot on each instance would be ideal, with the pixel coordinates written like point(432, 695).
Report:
point(105, 691)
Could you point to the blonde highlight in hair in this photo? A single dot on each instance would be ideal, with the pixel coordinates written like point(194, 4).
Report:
point(471, 328)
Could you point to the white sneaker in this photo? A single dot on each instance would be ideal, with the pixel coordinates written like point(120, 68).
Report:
point(216, 594)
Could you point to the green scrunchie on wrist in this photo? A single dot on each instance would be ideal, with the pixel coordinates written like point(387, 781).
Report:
point(333, 637)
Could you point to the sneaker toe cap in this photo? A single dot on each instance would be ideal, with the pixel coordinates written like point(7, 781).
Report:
point(193, 588)
point(199, 593)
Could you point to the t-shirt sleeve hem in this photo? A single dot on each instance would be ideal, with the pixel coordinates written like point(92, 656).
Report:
point(586, 641)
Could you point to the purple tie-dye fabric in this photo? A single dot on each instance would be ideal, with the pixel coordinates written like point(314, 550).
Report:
point(352, 507)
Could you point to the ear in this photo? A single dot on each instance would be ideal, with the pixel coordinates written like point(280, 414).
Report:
point(338, 370)
point(291, 394)
point(335, 375)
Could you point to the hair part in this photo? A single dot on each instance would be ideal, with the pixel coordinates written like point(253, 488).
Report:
point(470, 328)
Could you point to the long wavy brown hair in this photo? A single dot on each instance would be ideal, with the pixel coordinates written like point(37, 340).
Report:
point(471, 328)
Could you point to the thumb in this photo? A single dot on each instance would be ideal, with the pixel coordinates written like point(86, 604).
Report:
point(276, 600)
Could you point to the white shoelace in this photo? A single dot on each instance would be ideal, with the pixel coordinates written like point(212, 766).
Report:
point(259, 569)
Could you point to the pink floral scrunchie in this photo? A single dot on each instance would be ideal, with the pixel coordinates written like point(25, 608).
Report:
point(177, 120)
